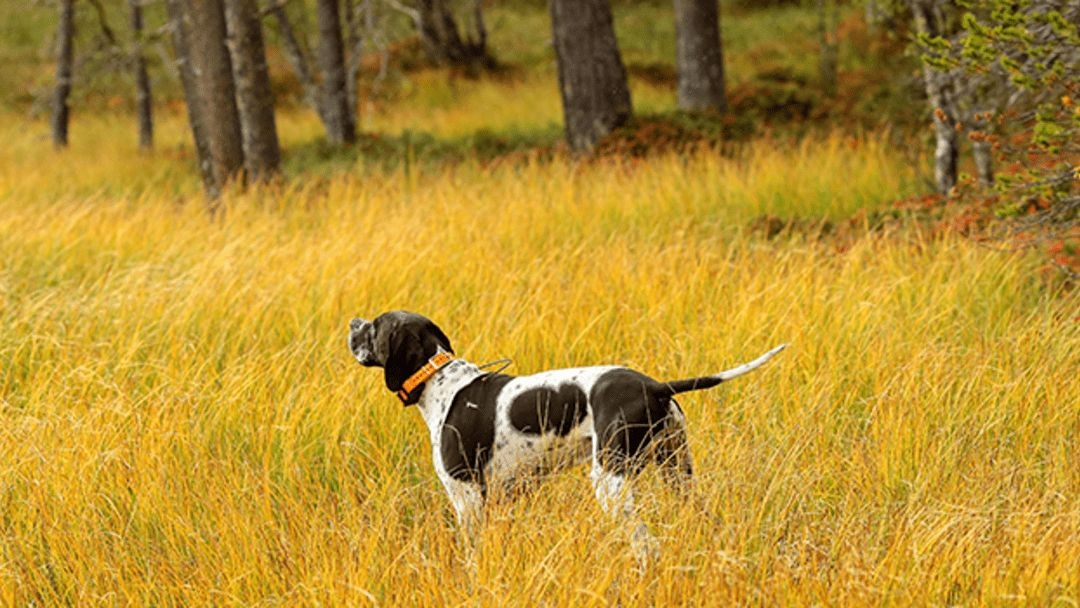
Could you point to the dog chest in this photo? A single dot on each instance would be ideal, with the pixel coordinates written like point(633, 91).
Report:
point(467, 435)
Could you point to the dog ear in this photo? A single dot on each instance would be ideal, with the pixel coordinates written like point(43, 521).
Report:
point(440, 338)
point(405, 356)
point(409, 345)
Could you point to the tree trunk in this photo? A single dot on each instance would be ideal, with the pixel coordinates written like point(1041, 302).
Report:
point(827, 36)
point(143, 99)
point(946, 145)
point(939, 91)
point(984, 162)
point(442, 38)
point(211, 96)
point(355, 42)
point(254, 99)
point(297, 58)
point(339, 118)
point(699, 55)
point(65, 36)
point(592, 79)
point(178, 26)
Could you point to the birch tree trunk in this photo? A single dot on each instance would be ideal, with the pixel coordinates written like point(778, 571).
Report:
point(939, 90)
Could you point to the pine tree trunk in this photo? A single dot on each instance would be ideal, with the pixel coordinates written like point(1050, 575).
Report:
point(143, 98)
point(65, 35)
point(339, 118)
point(592, 79)
point(699, 55)
point(254, 99)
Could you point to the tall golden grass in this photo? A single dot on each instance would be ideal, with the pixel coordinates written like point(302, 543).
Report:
point(181, 423)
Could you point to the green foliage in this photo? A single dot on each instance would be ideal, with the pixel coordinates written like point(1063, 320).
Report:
point(1022, 63)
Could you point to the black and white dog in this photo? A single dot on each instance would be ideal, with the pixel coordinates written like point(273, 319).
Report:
point(490, 430)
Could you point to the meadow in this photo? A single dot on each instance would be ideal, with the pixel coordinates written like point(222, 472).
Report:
point(181, 422)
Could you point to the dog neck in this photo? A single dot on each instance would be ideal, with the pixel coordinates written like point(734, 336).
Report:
point(439, 393)
point(422, 375)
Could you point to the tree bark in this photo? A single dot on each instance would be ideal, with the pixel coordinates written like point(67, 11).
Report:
point(984, 162)
point(592, 79)
point(939, 90)
point(297, 58)
point(65, 36)
point(339, 118)
point(179, 24)
point(699, 55)
point(443, 40)
point(143, 98)
point(355, 42)
point(210, 92)
point(254, 98)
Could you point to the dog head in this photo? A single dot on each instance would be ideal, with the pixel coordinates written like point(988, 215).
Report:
point(400, 342)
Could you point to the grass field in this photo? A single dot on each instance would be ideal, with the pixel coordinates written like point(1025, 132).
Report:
point(181, 423)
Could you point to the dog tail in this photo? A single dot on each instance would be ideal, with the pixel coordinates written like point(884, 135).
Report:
point(675, 387)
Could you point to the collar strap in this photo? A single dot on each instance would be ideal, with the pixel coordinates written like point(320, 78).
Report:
point(424, 374)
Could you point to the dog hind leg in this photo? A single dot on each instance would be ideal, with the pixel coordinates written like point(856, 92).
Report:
point(616, 498)
point(672, 452)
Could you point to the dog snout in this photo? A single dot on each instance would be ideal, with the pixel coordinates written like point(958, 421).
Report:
point(360, 341)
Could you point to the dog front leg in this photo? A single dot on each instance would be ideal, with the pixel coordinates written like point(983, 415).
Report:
point(468, 501)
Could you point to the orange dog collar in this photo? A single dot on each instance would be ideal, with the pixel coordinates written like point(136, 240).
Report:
point(424, 374)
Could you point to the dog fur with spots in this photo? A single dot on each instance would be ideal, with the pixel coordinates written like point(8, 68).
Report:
point(493, 430)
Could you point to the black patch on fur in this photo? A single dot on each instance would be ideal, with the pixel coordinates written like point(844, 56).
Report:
point(634, 410)
point(469, 431)
point(546, 410)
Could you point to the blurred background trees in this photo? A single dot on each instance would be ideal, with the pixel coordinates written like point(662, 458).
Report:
point(996, 81)
point(1007, 74)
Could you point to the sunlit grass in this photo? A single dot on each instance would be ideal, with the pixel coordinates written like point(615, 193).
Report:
point(180, 421)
